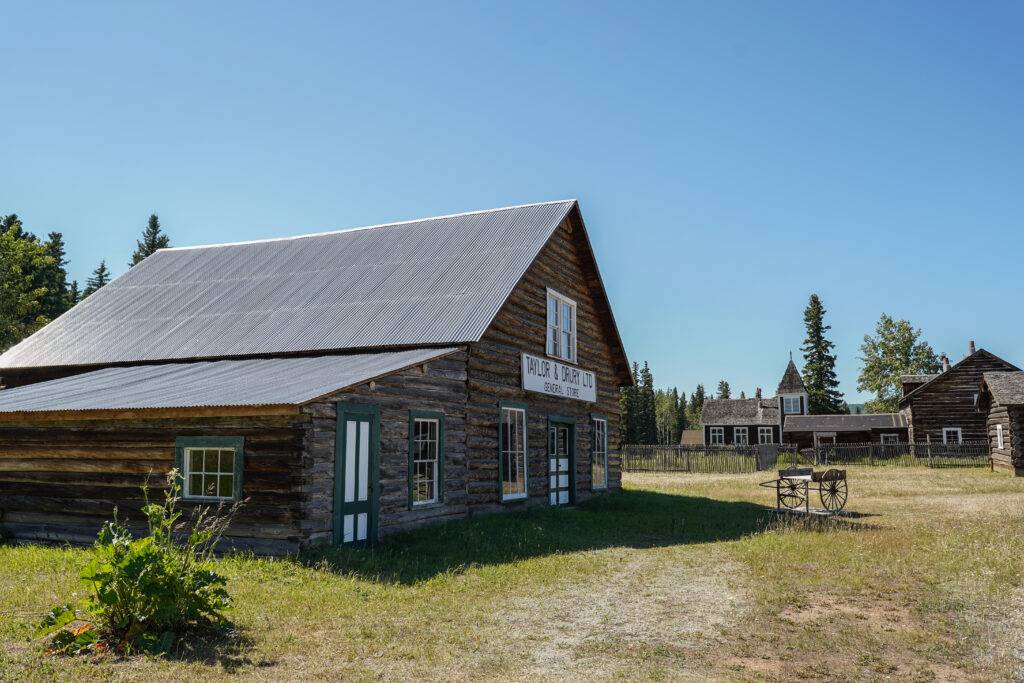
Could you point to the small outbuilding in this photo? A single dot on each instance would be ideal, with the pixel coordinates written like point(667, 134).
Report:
point(806, 431)
point(347, 385)
point(1001, 400)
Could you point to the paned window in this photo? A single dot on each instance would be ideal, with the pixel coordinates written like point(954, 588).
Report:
point(764, 435)
point(599, 474)
point(561, 342)
point(210, 468)
point(740, 436)
point(512, 452)
point(426, 457)
point(717, 435)
point(791, 405)
point(952, 435)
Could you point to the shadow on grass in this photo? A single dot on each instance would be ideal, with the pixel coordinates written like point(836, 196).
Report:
point(629, 519)
point(225, 645)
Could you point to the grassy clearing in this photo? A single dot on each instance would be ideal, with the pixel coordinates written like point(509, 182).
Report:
point(679, 576)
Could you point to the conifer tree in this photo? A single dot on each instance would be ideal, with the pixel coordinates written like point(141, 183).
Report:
point(99, 278)
point(74, 296)
point(743, 394)
point(723, 390)
point(54, 277)
point(674, 426)
point(824, 397)
point(696, 405)
point(152, 239)
point(648, 423)
point(680, 417)
point(629, 405)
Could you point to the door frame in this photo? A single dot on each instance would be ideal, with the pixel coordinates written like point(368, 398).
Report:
point(359, 411)
point(570, 422)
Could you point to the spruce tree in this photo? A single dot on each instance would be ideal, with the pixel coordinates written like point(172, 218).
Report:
point(99, 278)
point(152, 239)
point(723, 390)
point(74, 296)
point(648, 424)
point(824, 397)
point(54, 277)
point(674, 424)
point(629, 405)
point(743, 394)
point(696, 405)
point(681, 417)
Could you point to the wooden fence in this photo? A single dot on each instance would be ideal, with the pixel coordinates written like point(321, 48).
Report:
point(744, 459)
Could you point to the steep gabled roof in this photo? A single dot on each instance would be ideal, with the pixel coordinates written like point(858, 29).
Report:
point(791, 382)
point(1006, 388)
point(740, 411)
point(430, 282)
point(980, 353)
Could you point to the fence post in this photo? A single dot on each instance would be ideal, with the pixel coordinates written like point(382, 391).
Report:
point(871, 454)
point(928, 440)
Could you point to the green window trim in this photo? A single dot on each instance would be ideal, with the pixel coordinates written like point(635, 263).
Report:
point(415, 415)
point(237, 443)
point(514, 405)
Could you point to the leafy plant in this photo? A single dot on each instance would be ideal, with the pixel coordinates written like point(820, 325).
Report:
point(147, 592)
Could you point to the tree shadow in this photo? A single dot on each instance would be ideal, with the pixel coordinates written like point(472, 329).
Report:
point(628, 519)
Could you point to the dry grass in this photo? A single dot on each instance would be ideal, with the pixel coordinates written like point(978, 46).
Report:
point(681, 576)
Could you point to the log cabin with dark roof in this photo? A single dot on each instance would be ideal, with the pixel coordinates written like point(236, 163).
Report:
point(944, 408)
point(346, 385)
point(1001, 401)
point(806, 431)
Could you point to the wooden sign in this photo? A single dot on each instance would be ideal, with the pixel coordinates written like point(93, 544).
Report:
point(555, 378)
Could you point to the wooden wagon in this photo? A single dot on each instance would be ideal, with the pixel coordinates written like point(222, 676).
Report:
point(794, 487)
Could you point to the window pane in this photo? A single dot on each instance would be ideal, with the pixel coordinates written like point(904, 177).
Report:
point(227, 461)
point(566, 317)
point(554, 342)
point(210, 461)
point(209, 485)
point(552, 311)
point(227, 482)
point(195, 485)
point(195, 463)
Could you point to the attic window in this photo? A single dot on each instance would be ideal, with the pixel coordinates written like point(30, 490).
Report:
point(561, 337)
point(791, 405)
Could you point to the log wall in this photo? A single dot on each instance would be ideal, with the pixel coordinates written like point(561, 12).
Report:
point(61, 480)
point(439, 386)
point(494, 373)
point(949, 401)
point(1010, 457)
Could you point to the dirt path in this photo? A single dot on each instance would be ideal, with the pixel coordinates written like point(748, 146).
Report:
point(657, 609)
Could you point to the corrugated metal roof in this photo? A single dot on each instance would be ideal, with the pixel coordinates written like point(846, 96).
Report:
point(253, 382)
point(433, 281)
point(845, 423)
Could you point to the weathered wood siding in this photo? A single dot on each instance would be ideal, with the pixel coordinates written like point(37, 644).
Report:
point(61, 480)
point(494, 374)
point(1011, 456)
point(949, 401)
point(441, 388)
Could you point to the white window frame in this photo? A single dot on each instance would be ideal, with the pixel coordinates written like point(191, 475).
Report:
point(999, 436)
point(600, 428)
point(827, 435)
point(949, 430)
point(716, 436)
point(762, 431)
point(556, 329)
point(436, 460)
point(506, 453)
point(186, 467)
point(787, 399)
point(888, 438)
point(736, 431)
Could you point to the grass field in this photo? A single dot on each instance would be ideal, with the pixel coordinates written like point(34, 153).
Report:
point(679, 576)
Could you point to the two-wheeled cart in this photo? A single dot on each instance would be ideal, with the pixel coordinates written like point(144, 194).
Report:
point(794, 486)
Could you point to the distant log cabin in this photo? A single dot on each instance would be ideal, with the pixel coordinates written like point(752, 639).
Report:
point(346, 385)
point(1001, 400)
point(944, 409)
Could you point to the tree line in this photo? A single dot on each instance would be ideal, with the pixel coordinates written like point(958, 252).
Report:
point(659, 416)
point(34, 283)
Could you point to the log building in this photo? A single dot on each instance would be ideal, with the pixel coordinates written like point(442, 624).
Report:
point(346, 385)
point(1001, 400)
point(943, 408)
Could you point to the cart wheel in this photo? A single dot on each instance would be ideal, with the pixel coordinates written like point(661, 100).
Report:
point(792, 493)
point(833, 491)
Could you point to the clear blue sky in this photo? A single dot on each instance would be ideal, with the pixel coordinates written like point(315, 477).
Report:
point(730, 158)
